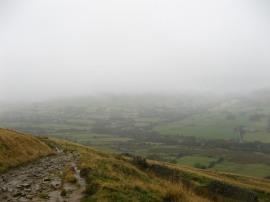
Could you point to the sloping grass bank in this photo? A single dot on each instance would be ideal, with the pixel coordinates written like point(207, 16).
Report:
point(18, 148)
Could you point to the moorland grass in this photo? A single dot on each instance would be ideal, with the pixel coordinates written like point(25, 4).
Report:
point(18, 148)
point(115, 177)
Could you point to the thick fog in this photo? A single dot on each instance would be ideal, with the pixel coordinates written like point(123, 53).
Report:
point(54, 48)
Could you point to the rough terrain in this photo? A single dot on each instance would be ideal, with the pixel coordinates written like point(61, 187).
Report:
point(42, 180)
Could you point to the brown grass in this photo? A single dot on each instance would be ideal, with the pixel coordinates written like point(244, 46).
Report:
point(18, 148)
point(248, 182)
point(69, 174)
point(117, 178)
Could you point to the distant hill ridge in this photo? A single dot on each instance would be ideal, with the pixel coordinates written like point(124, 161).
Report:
point(18, 148)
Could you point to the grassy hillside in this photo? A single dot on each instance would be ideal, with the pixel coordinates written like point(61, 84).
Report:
point(18, 148)
point(123, 177)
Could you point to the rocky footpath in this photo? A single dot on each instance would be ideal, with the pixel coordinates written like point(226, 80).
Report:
point(41, 180)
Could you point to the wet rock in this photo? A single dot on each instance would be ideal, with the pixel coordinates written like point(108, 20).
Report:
point(10, 190)
point(17, 194)
point(26, 185)
point(30, 196)
point(56, 184)
point(27, 190)
point(4, 189)
point(37, 188)
point(2, 178)
point(27, 182)
point(23, 199)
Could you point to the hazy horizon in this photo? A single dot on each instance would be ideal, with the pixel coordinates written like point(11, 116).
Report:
point(54, 49)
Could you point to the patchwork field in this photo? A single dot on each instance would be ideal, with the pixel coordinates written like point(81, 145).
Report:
point(187, 130)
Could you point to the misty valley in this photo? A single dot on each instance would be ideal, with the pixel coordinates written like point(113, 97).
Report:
point(206, 131)
point(135, 101)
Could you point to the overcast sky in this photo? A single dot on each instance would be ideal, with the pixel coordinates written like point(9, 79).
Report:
point(55, 48)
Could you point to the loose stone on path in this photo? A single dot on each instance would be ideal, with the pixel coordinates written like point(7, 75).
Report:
point(35, 182)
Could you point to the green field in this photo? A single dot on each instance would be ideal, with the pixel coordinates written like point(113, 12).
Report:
point(263, 137)
point(191, 160)
point(256, 170)
point(214, 126)
point(153, 126)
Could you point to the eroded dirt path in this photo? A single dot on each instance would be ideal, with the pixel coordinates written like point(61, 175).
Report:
point(41, 181)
